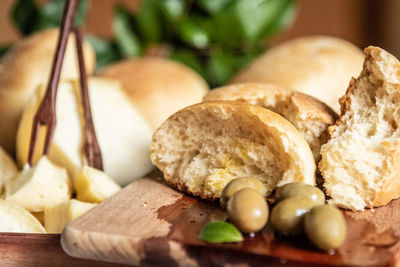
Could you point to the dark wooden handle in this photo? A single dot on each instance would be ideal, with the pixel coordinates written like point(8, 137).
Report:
point(46, 114)
point(91, 146)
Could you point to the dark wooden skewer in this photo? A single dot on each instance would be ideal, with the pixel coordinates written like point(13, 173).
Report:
point(46, 114)
point(91, 146)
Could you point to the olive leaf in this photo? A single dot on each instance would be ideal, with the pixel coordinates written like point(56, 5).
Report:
point(172, 9)
point(28, 17)
point(106, 51)
point(148, 21)
point(284, 16)
point(25, 15)
point(191, 32)
point(219, 232)
point(256, 16)
point(214, 37)
point(220, 68)
point(189, 59)
point(125, 38)
point(251, 20)
point(213, 6)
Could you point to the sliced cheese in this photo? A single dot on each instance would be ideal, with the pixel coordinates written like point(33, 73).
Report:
point(43, 185)
point(58, 216)
point(92, 185)
point(122, 132)
point(7, 168)
point(14, 218)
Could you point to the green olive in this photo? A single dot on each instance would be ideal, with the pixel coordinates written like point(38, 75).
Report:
point(325, 227)
point(241, 183)
point(248, 210)
point(287, 216)
point(301, 190)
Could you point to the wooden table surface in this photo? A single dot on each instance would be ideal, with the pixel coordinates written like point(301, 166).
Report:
point(39, 250)
point(149, 224)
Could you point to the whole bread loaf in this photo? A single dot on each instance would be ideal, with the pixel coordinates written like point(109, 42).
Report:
point(320, 66)
point(361, 161)
point(203, 147)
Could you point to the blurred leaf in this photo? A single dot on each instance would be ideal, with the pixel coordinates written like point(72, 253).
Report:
point(255, 16)
point(25, 14)
point(4, 49)
point(225, 22)
point(246, 58)
point(189, 59)
point(105, 51)
point(194, 29)
point(284, 17)
point(213, 6)
point(251, 20)
point(220, 68)
point(148, 21)
point(51, 14)
point(172, 9)
point(125, 38)
point(191, 32)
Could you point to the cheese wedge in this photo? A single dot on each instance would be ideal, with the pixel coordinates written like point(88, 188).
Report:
point(123, 134)
point(43, 185)
point(58, 216)
point(92, 185)
point(7, 168)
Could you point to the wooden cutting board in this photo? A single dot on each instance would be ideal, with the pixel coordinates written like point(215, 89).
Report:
point(149, 224)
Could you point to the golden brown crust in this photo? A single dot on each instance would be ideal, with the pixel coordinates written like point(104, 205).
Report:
point(345, 103)
point(158, 87)
point(263, 93)
point(345, 100)
point(25, 67)
point(295, 106)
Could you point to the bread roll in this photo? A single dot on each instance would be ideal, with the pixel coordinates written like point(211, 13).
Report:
point(310, 116)
point(319, 66)
point(203, 147)
point(158, 87)
point(361, 161)
point(26, 66)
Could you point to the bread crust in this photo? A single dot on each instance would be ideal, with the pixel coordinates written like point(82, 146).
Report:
point(320, 66)
point(158, 87)
point(298, 152)
point(261, 93)
point(268, 95)
point(25, 67)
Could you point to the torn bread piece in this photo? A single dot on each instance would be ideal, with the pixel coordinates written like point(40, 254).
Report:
point(309, 115)
point(203, 147)
point(361, 161)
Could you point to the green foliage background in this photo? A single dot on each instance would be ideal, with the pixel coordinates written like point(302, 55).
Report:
point(214, 37)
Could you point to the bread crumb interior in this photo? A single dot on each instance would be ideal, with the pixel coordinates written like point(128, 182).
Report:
point(218, 148)
point(359, 151)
